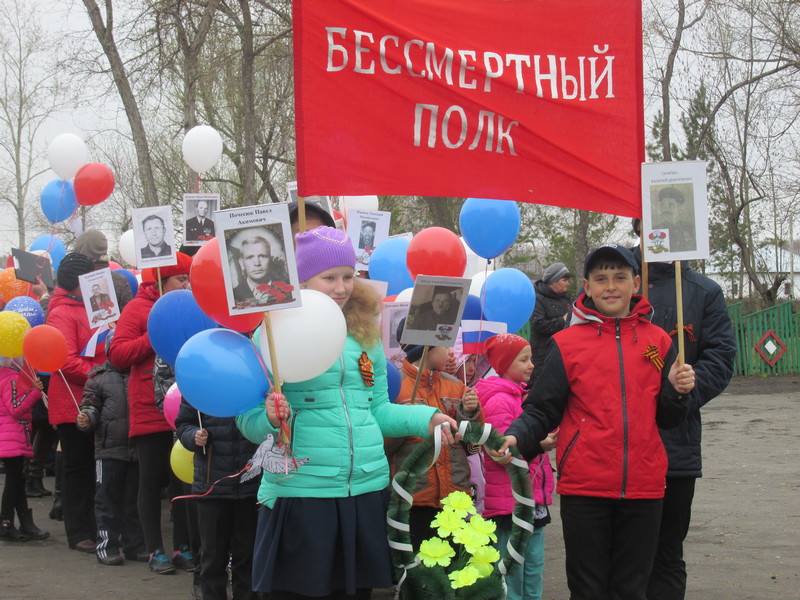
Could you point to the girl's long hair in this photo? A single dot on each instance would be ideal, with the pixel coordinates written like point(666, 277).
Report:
point(361, 314)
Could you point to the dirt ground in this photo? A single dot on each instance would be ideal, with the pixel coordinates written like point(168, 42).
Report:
point(742, 543)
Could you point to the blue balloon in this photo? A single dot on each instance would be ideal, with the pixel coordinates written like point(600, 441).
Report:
point(219, 373)
point(489, 226)
point(175, 318)
point(388, 263)
point(394, 379)
point(132, 281)
point(28, 308)
point(472, 309)
point(51, 244)
point(58, 200)
point(509, 298)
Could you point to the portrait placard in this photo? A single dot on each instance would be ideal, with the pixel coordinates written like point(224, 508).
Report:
point(391, 315)
point(258, 262)
point(198, 218)
point(366, 229)
point(675, 211)
point(434, 314)
point(99, 297)
point(154, 237)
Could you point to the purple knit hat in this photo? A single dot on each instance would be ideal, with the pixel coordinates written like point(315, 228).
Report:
point(321, 249)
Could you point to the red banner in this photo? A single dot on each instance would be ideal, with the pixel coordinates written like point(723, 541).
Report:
point(522, 100)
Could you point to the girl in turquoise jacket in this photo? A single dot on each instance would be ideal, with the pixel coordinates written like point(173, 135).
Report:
point(322, 529)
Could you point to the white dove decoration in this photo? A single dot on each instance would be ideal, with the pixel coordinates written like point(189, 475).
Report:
point(271, 459)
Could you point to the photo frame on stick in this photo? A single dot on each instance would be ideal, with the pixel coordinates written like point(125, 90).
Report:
point(258, 261)
point(154, 237)
point(435, 311)
point(99, 297)
point(198, 218)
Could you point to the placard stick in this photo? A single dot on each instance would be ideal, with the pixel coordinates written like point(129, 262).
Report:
point(158, 275)
point(200, 422)
point(419, 373)
point(301, 214)
point(679, 305)
point(645, 287)
point(276, 380)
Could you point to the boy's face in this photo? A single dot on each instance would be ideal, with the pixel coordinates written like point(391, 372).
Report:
point(437, 358)
point(611, 290)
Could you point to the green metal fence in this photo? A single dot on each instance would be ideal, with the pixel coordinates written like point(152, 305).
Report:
point(768, 340)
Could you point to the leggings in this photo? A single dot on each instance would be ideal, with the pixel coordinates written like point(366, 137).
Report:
point(14, 498)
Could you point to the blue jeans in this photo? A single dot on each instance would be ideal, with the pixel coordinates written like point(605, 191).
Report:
point(524, 581)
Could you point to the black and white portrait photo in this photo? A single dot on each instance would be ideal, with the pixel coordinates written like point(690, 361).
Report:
point(154, 236)
point(99, 297)
point(434, 314)
point(258, 264)
point(198, 210)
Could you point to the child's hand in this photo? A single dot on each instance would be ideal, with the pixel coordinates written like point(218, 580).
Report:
point(201, 438)
point(681, 377)
point(469, 401)
point(82, 420)
point(452, 363)
point(37, 383)
point(549, 442)
point(277, 409)
point(502, 454)
point(450, 426)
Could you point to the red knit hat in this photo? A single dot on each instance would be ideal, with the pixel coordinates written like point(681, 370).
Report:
point(502, 349)
point(182, 268)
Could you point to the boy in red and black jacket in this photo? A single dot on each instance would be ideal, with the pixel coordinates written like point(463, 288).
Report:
point(610, 381)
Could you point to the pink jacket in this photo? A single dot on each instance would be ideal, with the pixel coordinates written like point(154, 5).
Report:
point(502, 403)
point(15, 415)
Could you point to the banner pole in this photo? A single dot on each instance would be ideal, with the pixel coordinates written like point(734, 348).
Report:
point(276, 380)
point(419, 373)
point(301, 214)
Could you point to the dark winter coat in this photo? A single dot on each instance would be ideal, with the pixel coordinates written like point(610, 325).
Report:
point(605, 382)
point(546, 320)
point(710, 347)
point(105, 401)
point(226, 453)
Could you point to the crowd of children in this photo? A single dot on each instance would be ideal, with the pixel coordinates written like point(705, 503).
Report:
point(312, 523)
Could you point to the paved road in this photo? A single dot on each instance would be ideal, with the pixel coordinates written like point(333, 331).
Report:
point(742, 545)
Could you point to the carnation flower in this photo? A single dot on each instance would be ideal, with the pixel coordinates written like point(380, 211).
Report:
point(466, 576)
point(436, 551)
point(448, 523)
point(459, 502)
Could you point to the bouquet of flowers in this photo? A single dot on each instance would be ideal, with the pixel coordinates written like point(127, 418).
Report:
point(460, 562)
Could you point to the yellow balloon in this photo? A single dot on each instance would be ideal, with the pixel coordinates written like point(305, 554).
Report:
point(182, 462)
point(13, 327)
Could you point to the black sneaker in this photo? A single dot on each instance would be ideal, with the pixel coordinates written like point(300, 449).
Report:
point(159, 563)
point(184, 559)
point(142, 556)
point(110, 560)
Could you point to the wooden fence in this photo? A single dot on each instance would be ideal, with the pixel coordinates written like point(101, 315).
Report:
point(768, 340)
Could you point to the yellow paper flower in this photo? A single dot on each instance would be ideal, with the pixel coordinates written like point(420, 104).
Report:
point(483, 560)
point(483, 526)
point(459, 502)
point(448, 523)
point(466, 576)
point(470, 539)
point(436, 551)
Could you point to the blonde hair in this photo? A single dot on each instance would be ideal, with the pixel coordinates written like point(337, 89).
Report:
point(361, 314)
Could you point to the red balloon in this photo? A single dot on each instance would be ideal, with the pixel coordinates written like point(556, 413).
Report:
point(93, 183)
point(45, 348)
point(208, 288)
point(114, 266)
point(391, 298)
point(10, 286)
point(436, 251)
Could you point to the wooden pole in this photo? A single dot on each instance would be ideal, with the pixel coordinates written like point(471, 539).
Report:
point(301, 214)
point(645, 288)
point(276, 380)
point(158, 276)
point(419, 373)
point(679, 306)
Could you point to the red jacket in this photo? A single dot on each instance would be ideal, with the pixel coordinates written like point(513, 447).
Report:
point(131, 349)
point(66, 313)
point(601, 380)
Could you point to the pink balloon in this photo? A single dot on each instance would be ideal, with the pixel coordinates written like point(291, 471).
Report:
point(172, 404)
point(114, 265)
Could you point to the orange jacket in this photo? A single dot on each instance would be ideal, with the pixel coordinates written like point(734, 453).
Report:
point(451, 471)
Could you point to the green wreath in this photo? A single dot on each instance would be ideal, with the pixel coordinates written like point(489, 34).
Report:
point(419, 582)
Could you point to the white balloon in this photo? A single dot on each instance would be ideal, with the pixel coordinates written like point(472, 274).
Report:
point(308, 339)
point(66, 154)
point(475, 264)
point(358, 203)
point(127, 248)
point(477, 283)
point(202, 148)
point(405, 295)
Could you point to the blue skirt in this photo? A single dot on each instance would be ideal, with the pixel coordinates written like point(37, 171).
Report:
point(318, 546)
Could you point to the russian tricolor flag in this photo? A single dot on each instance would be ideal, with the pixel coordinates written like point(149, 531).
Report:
point(475, 333)
point(98, 338)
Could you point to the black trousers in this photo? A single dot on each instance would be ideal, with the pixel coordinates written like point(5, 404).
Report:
point(155, 474)
point(610, 545)
point(14, 498)
point(43, 437)
point(227, 528)
point(78, 480)
point(115, 508)
point(668, 578)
